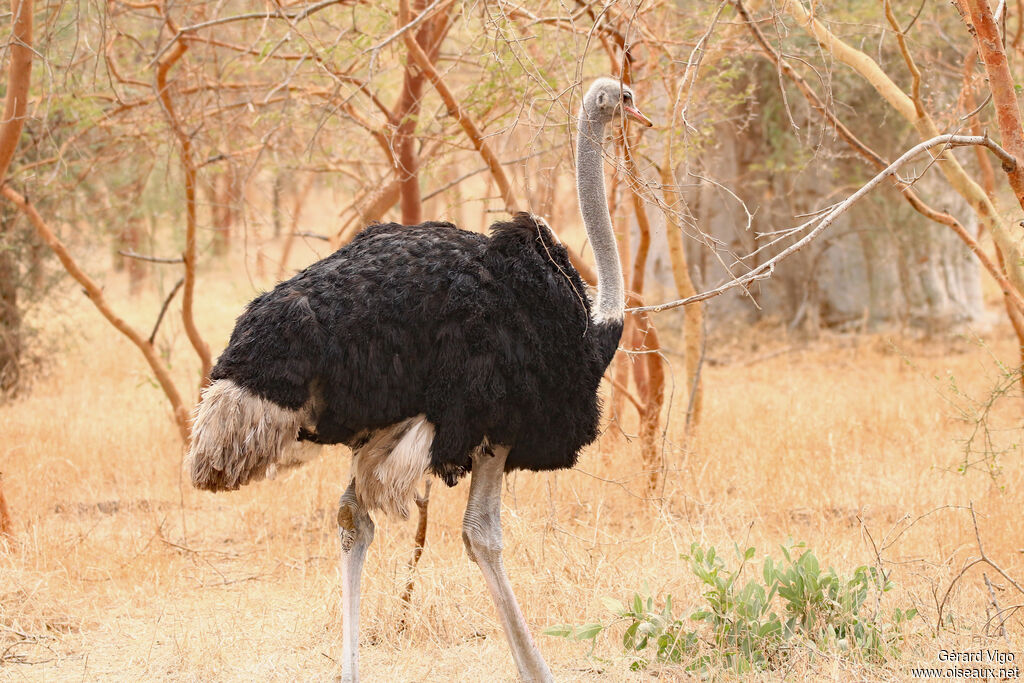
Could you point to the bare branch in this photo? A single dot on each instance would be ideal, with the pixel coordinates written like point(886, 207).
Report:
point(765, 270)
point(151, 259)
point(163, 309)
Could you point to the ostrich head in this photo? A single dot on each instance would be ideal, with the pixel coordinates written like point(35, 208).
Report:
point(605, 98)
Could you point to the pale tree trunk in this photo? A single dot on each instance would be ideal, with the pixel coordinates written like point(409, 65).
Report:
point(693, 316)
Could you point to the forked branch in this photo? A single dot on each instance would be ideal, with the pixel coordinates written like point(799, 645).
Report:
point(95, 294)
point(983, 558)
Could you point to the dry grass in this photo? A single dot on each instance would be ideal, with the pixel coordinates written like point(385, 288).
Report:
point(119, 571)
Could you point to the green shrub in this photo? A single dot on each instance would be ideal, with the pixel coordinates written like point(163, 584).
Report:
point(741, 623)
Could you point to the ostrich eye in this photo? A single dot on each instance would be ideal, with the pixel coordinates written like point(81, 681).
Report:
point(627, 97)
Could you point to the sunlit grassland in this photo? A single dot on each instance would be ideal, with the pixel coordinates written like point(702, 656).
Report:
point(119, 571)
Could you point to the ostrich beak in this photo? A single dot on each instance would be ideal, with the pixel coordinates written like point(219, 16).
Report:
point(636, 115)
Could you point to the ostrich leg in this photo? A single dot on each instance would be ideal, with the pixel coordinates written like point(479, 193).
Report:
point(355, 529)
point(481, 532)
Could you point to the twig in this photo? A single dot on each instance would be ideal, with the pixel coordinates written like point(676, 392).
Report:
point(983, 559)
point(152, 259)
point(995, 603)
point(163, 309)
point(423, 16)
point(278, 14)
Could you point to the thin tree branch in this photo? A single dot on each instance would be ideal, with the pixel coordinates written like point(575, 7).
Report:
point(151, 259)
point(250, 16)
point(915, 73)
point(163, 309)
point(983, 559)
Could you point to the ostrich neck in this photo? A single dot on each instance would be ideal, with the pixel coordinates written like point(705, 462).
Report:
point(597, 220)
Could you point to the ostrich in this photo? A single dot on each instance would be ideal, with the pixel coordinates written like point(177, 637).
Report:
point(427, 349)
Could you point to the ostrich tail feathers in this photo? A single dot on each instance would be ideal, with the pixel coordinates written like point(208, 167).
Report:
point(239, 437)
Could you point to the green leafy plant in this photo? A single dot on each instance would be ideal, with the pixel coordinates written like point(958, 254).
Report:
point(754, 624)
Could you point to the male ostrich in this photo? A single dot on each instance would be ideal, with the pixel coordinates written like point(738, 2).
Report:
point(427, 349)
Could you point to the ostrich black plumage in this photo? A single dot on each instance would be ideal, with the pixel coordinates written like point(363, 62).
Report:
point(427, 348)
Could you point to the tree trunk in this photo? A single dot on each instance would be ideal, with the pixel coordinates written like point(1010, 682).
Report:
point(6, 525)
point(10, 315)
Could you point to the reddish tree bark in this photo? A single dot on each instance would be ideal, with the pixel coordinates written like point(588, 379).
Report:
point(406, 112)
point(19, 76)
point(1004, 95)
point(188, 165)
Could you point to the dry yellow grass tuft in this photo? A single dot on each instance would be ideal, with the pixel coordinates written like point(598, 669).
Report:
point(120, 571)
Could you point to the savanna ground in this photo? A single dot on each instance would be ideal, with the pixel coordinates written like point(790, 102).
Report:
point(120, 571)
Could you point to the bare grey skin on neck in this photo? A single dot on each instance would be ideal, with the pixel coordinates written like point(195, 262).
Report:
point(594, 117)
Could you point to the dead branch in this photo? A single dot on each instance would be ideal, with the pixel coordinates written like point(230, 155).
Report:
point(982, 559)
point(151, 259)
point(995, 605)
point(313, 236)
point(163, 308)
point(823, 221)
